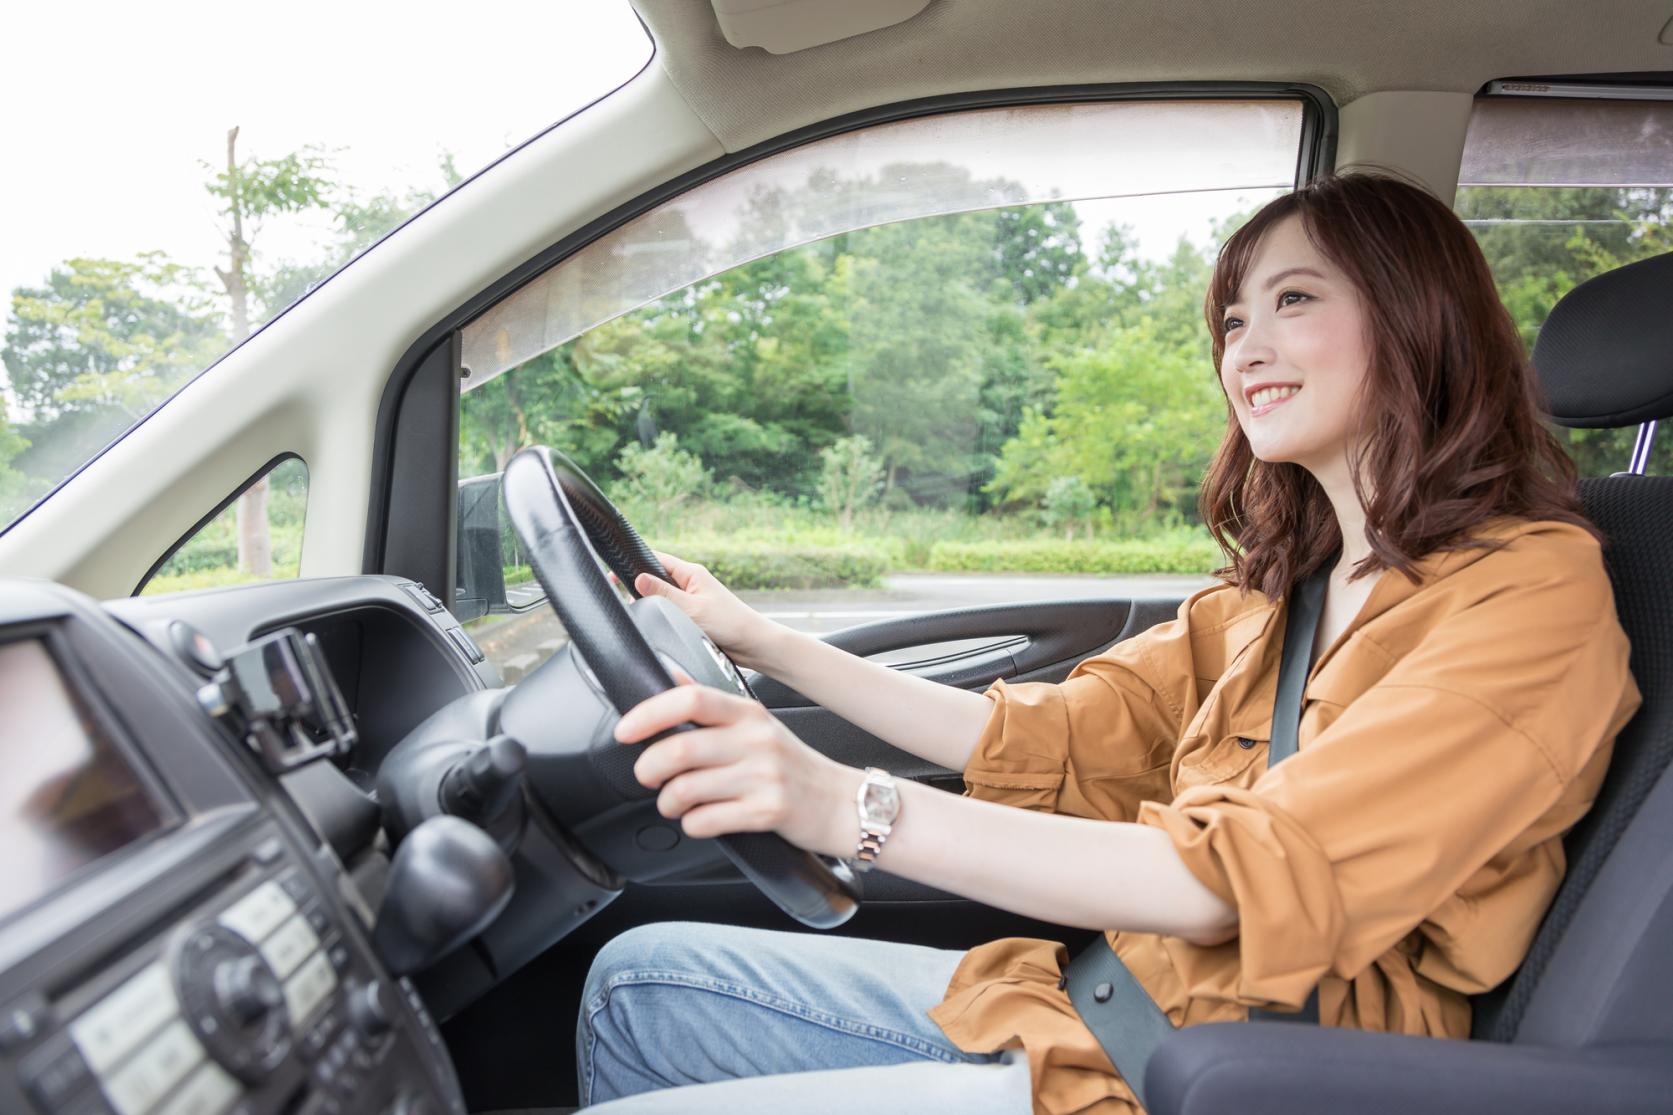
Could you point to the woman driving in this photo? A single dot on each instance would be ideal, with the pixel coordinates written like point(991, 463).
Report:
point(1334, 786)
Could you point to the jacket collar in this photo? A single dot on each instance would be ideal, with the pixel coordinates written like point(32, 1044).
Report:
point(1394, 588)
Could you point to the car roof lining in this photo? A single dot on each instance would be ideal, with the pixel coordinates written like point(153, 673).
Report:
point(1347, 47)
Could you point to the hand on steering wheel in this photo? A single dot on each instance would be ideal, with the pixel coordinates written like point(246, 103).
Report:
point(740, 770)
point(736, 628)
point(567, 528)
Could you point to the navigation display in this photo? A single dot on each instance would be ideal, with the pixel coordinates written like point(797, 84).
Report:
point(67, 797)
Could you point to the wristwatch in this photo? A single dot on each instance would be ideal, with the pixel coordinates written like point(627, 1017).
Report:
point(879, 805)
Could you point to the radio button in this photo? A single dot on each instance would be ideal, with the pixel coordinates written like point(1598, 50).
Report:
point(124, 1018)
point(153, 1071)
point(259, 913)
point(315, 1040)
point(53, 1074)
point(209, 1091)
point(233, 1002)
point(246, 991)
point(296, 886)
point(289, 946)
point(309, 987)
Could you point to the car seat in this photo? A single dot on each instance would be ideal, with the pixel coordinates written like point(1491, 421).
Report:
point(1586, 1023)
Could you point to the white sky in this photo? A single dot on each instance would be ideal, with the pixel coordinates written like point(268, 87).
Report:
point(108, 109)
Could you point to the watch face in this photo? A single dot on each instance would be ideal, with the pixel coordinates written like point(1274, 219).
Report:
point(881, 802)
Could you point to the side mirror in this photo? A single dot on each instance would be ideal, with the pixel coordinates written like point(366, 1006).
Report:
point(492, 575)
point(481, 577)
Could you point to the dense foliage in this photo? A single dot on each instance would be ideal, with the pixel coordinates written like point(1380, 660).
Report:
point(989, 362)
point(977, 391)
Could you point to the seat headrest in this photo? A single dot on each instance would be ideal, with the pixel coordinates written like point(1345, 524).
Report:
point(1605, 355)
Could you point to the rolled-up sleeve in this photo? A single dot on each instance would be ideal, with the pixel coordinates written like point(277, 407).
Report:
point(1101, 741)
point(1489, 735)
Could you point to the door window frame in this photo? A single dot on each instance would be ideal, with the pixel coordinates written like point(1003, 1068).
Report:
point(423, 546)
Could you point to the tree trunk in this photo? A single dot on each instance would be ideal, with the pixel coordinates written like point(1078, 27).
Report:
point(255, 543)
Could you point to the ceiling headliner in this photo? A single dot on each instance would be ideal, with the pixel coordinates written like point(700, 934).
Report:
point(1346, 47)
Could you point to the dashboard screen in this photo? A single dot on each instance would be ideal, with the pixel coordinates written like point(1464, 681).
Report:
point(67, 796)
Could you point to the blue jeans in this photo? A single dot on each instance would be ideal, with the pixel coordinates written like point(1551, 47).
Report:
point(692, 1018)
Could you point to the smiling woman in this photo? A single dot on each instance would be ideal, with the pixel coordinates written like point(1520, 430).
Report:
point(1361, 292)
point(1381, 419)
point(119, 287)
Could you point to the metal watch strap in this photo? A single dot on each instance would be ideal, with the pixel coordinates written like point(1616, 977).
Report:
point(874, 831)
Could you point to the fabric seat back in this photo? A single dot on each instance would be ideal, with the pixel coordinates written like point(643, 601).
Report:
point(1600, 967)
point(1580, 973)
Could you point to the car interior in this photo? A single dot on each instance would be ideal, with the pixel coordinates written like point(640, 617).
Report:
point(317, 852)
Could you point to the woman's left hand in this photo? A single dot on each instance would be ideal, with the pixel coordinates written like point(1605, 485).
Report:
point(740, 770)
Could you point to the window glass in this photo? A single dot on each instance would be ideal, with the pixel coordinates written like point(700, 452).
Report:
point(173, 224)
point(1557, 191)
point(257, 537)
point(940, 362)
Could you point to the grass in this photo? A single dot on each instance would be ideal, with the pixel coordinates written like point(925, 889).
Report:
point(751, 543)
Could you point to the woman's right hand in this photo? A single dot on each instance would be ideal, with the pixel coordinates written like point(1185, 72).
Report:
point(734, 626)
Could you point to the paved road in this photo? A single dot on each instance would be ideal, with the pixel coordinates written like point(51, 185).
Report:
point(519, 643)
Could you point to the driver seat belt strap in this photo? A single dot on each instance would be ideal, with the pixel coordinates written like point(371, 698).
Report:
point(1110, 1000)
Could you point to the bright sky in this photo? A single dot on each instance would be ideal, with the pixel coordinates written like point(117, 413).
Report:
point(113, 115)
point(109, 108)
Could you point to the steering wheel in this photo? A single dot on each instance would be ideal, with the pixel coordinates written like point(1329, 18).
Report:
point(567, 526)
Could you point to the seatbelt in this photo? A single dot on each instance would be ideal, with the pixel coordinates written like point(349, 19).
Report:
point(1111, 1001)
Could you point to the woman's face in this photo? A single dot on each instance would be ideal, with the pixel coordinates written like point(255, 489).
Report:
point(1296, 325)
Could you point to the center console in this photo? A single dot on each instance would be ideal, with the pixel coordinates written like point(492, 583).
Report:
point(174, 938)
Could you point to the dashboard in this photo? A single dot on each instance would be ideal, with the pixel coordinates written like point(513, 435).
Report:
point(189, 928)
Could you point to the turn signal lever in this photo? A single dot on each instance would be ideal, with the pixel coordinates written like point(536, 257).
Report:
point(448, 882)
point(477, 782)
point(486, 782)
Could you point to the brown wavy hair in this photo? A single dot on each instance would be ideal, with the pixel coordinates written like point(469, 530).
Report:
point(1453, 436)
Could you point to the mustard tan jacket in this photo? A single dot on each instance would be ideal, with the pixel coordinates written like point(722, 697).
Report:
point(1401, 860)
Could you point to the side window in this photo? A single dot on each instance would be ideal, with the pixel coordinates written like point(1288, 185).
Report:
point(938, 362)
point(1557, 191)
point(257, 536)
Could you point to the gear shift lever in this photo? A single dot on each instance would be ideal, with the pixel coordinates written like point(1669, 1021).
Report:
point(448, 882)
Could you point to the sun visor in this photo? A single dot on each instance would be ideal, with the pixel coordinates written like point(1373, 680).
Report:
point(786, 26)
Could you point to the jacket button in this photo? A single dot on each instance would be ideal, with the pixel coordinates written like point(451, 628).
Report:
point(1245, 742)
point(1103, 992)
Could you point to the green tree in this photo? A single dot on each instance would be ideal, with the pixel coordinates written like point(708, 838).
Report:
point(360, 223)
point(662, 477)
point(850, 477)
point(546, 401)
point(1542, 242)
point(104, 335)
point(1135, 421)
point(251, 192)
point(1069, 503)
point(1037, 248)
point(13, 484)
point(918, 309)
point(94, 348)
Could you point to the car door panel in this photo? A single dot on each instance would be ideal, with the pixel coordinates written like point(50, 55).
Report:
point(1019, 642)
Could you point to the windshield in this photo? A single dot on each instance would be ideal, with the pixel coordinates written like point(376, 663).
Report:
point(184, 180)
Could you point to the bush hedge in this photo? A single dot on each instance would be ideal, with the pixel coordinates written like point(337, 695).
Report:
point(194, 579)
point(760, 565)
point(1164, 555)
